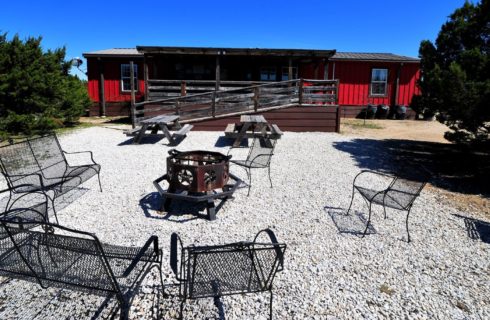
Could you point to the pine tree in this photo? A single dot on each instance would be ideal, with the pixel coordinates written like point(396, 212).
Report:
point(455, 82)
point(37, 94)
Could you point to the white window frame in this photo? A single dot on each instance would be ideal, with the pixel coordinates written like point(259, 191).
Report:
point(285, 72)
point(270, 71)
point(128, 77)
point(385, 82)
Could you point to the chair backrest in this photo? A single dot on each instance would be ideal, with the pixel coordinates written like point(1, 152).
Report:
point(18, 159)
point(54, 255)
point(407, 189)
point(241, 267)
point(261, 151)
point(49, 155)
point(42, 155)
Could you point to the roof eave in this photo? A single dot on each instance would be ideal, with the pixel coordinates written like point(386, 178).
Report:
point(376, 60)
point(111, 55)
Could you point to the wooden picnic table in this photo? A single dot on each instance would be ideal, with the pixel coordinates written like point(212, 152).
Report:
point(163, 123)
point(251, 126)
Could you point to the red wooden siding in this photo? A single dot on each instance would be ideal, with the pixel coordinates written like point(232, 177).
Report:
point(355, 79)
point(112, 80)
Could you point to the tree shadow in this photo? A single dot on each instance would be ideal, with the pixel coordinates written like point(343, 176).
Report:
point(476, 229)
point(151, 139)
point(453, 167)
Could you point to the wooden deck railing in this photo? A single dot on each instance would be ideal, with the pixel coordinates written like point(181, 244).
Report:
point(232, 98)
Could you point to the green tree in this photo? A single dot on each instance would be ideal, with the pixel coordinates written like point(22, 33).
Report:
point(455, 81)
point(37, 94)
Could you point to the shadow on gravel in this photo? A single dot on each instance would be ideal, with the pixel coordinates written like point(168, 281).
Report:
point(180, 211)
point(146, 140)
point(476, 229)
point(224, 141)
point(351, 224)
point(454, 167)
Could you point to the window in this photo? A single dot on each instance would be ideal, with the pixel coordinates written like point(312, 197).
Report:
point(285, 73)
point(268, 74)
point(126, 77)
point(379, 80)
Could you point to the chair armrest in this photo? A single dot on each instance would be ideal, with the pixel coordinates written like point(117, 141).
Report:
point(174, 262)
point(375, 173)
point(274, 241)
point(261, 155)
point(153, 240)
point(82, 152)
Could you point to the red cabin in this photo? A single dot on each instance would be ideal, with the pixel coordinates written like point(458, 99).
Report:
point(364, 78)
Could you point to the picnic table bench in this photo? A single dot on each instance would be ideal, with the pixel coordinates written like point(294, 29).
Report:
point(164, 123)
point(251, 126)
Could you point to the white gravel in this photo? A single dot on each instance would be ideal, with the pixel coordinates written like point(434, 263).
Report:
point(441, 274)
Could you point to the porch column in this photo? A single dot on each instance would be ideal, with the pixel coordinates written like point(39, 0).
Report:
point(218, 71)
point(290, 68)
point(101, 88)
point(145, 75)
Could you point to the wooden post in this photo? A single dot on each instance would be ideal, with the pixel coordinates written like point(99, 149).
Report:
point(177, 108)
point(102, 89)
point(183, 89)
point(300, 91)
point(133, 95)
point(256, 99)
point(290, 69)
point(397, 86)
point(213, 104)
point(145, 75)
point(218, 72)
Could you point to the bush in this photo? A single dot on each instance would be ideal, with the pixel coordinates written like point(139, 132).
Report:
point(36, 92)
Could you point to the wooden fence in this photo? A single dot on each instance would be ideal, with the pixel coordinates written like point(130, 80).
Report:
point(203, 100)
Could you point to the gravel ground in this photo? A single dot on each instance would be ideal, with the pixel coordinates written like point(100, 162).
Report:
point(330, 272)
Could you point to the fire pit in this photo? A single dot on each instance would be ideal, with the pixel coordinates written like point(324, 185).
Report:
point(197, 176)
point(197, 171)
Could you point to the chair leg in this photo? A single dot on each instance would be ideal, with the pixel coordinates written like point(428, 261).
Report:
point(250, 179)
point(384, 209)
point(124, 309)
point(54, 208)
point(270, 305)
point(351, 200)
point(269, 171)
point(369, 220)
point(406, 225)
point(100, 184)
point(181, 314)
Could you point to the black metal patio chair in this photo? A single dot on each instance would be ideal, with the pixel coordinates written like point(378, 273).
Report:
point(40, 164)
point(259, 157)
point(400, 193)
point(32, 206)
point(56, 256)
point(235, 268)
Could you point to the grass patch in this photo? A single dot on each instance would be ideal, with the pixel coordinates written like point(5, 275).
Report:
point(74, 126)
point(359, 124)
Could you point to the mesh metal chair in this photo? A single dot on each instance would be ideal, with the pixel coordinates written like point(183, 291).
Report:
point(259, 157)
point(236, 268)
point(40, 164)
point(400, 194)
point(55, 256)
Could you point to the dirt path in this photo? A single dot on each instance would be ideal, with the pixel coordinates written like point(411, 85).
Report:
point(431, 131)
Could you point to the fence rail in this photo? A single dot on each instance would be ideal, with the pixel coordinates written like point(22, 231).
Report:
point(187, 99)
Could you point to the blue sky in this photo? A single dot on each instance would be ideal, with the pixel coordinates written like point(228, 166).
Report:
point(345, 25)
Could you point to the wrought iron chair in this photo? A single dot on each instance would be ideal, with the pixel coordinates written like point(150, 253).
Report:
point(235, 268)
point(56, 256)
point(32, 206)
point(400, 194)
point(40, 164)
point(259, 157)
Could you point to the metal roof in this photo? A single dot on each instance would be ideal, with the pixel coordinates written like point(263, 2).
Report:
point(236, 51)
point(115, 52)
point(364, 56)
